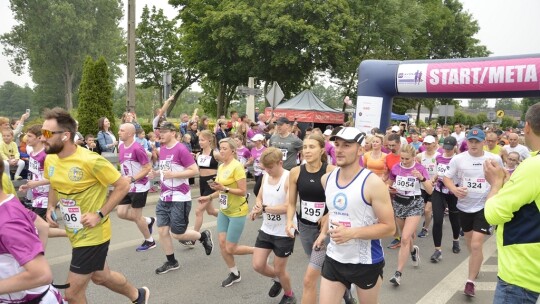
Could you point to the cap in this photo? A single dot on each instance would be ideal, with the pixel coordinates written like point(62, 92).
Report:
point(257, 137)
point(283, 120)
point(348, 134)
point(477, 134)
point(327, 132)
point(396, 129)
point(449, 143)
point(429, 139)
point(166, 125)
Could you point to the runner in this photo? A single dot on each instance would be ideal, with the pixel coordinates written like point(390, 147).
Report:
point(357, 221)
point(289, 144)
point(375, 160)
point(443, 197)
point(134, 163)
point(230, 187)
point(428, 160)
point(512, 161)
point(467, 170)
point(513, 206)
point(393, 158)
point(176, 165)
point(272, 203)
point(404, 180)
point(79, 180)
point(256, 153)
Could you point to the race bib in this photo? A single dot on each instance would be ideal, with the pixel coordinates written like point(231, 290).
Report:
point(274, 217)
point(33, 166)
point(257, 167)
point(441, 169)
point(475, 185)
point(312, 211)
point(431, 169)
point(344, 221)
point(223, 201)
point(203, 160)
point(71, 214)
point(405, 183)
point(284, 153)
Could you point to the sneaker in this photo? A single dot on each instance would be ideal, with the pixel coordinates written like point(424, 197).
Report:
point(144, 294)
point(348, 298)
point(288, 300)
point(146, 245)
point(188, 244)
point(415, 256)
point(469, 289)
point(167, 266)
point(231, 279)
point(396, 279)
point(455, 247)
point(275, 290)
point(436, 256)
point(423, 233)
point(151, 225)
point(207, 242)
point(394, 244)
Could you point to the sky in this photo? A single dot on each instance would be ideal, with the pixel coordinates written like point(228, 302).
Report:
point(507, 27)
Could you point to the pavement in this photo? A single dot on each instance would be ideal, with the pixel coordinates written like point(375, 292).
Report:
point(199, 278)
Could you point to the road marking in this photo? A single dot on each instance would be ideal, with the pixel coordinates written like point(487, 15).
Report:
point(456, 279)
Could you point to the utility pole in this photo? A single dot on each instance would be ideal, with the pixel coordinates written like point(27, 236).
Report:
point(130, 102)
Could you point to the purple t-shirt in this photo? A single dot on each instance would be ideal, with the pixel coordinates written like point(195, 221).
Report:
point(442, 167)
point(40, 195)
point(176, 158)
point(256, 154)
point(132, 160)
point(404, 181)
point(330, 152)
point(243, 155)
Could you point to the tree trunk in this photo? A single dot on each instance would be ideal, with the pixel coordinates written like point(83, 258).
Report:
point(418, 114)
point(68, 88)
point(221, 100)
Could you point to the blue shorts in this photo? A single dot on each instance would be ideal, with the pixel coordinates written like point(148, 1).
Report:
point(232, 226)
point(173, 214)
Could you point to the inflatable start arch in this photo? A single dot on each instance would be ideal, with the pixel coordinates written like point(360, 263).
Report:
point(379, 81)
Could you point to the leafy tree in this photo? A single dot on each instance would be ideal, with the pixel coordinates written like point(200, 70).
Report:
point(53, 38)
point(506, 104)
point(478, 103)
point(159, 49)
point(526, 103)
point(95, 96)
point(15, 99)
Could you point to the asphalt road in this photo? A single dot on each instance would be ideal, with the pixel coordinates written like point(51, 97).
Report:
point(199, 278)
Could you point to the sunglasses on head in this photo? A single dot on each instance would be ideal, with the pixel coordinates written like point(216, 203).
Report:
point(48, 134)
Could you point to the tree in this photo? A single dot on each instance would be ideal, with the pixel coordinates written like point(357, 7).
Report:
point(478, 103)
point(506, 104)
point(526, 103)
point(95, 96)
point(159, 49)
point(15, 99)
point(54, 37)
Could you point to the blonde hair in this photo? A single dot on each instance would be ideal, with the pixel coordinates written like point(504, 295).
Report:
point(232, 144)
point(369, 139)
point(271, 156)
point(408, 149)
point(211, 137)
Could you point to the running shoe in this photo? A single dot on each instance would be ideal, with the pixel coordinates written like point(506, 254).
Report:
point(167, 266)
point(275, 290)
point(288, 300)
point(146, 245)
point(423, 233)
point(144, 294)
point(469, 289)
point(188, 244)
point(415, 256)
point(151, 225)
point(455, 247)
point(436, 256)
point(396, 279)
point(207, 242)
point(395, 244)
point(231, 279)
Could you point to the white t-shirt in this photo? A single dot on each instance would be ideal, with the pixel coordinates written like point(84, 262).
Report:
point(468, 171)
point(459, 137)
point(521, 149)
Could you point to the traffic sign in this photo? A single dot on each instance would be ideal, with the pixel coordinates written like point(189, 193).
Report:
point(274, 95)
point(500, 113)
point(491, 115)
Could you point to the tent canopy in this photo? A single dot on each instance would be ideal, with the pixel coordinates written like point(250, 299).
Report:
point(395, 116)
point(306, 107)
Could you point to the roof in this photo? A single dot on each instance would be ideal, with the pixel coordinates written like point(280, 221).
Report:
point(306, 101)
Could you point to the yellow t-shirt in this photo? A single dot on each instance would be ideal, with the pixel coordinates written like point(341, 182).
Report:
point(81, 182)
point(7, 185)
point(228, 175)
point(496, 150)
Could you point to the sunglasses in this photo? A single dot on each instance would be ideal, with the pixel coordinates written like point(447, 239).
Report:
point(48, 134)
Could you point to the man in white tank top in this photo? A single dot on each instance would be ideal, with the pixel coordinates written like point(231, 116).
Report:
point(357, 222)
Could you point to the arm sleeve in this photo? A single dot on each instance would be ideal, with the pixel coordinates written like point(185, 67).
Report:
point(23, 244)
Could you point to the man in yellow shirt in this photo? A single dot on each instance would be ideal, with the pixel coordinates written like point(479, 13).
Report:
point(79, 180)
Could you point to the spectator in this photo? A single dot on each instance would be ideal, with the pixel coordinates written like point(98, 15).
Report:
point(90, 143)
point(194, 133)
point(221, 129)
point(106, 139)
point(10, 154)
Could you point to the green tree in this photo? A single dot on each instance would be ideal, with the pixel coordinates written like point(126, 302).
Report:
point(526, 103)
point(95, 96)
point(160, 49)
point(478, 103)
point(53, 38)
point(506, 104)
point(15, 99)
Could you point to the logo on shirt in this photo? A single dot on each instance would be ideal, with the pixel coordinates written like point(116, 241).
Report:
point(340, 201)
point(51, 171)
point(75, 174)
point(477, 164)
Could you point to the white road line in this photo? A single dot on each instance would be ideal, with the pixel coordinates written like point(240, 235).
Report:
point(456, 279)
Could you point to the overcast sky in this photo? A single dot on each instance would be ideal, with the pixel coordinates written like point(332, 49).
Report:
point(507, 27)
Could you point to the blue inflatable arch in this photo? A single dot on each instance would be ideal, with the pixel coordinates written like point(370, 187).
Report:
point(379, 81)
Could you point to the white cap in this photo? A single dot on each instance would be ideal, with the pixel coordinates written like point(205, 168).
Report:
point(257, 137)
point(396, 129)
point(349, 134)
point(429, 139)
point(327, 132)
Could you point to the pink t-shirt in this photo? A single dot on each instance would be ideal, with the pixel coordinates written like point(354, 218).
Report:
point(404, 181)
point(176, 158)
point(256, 154)
point(132, 160)
point(40, 195)
point(243, 154)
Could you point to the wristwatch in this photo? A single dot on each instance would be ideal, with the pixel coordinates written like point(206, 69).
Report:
point(264, 208)
point(227, 190)
point(422, 180)
point(100, 214)
point(133, 179)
